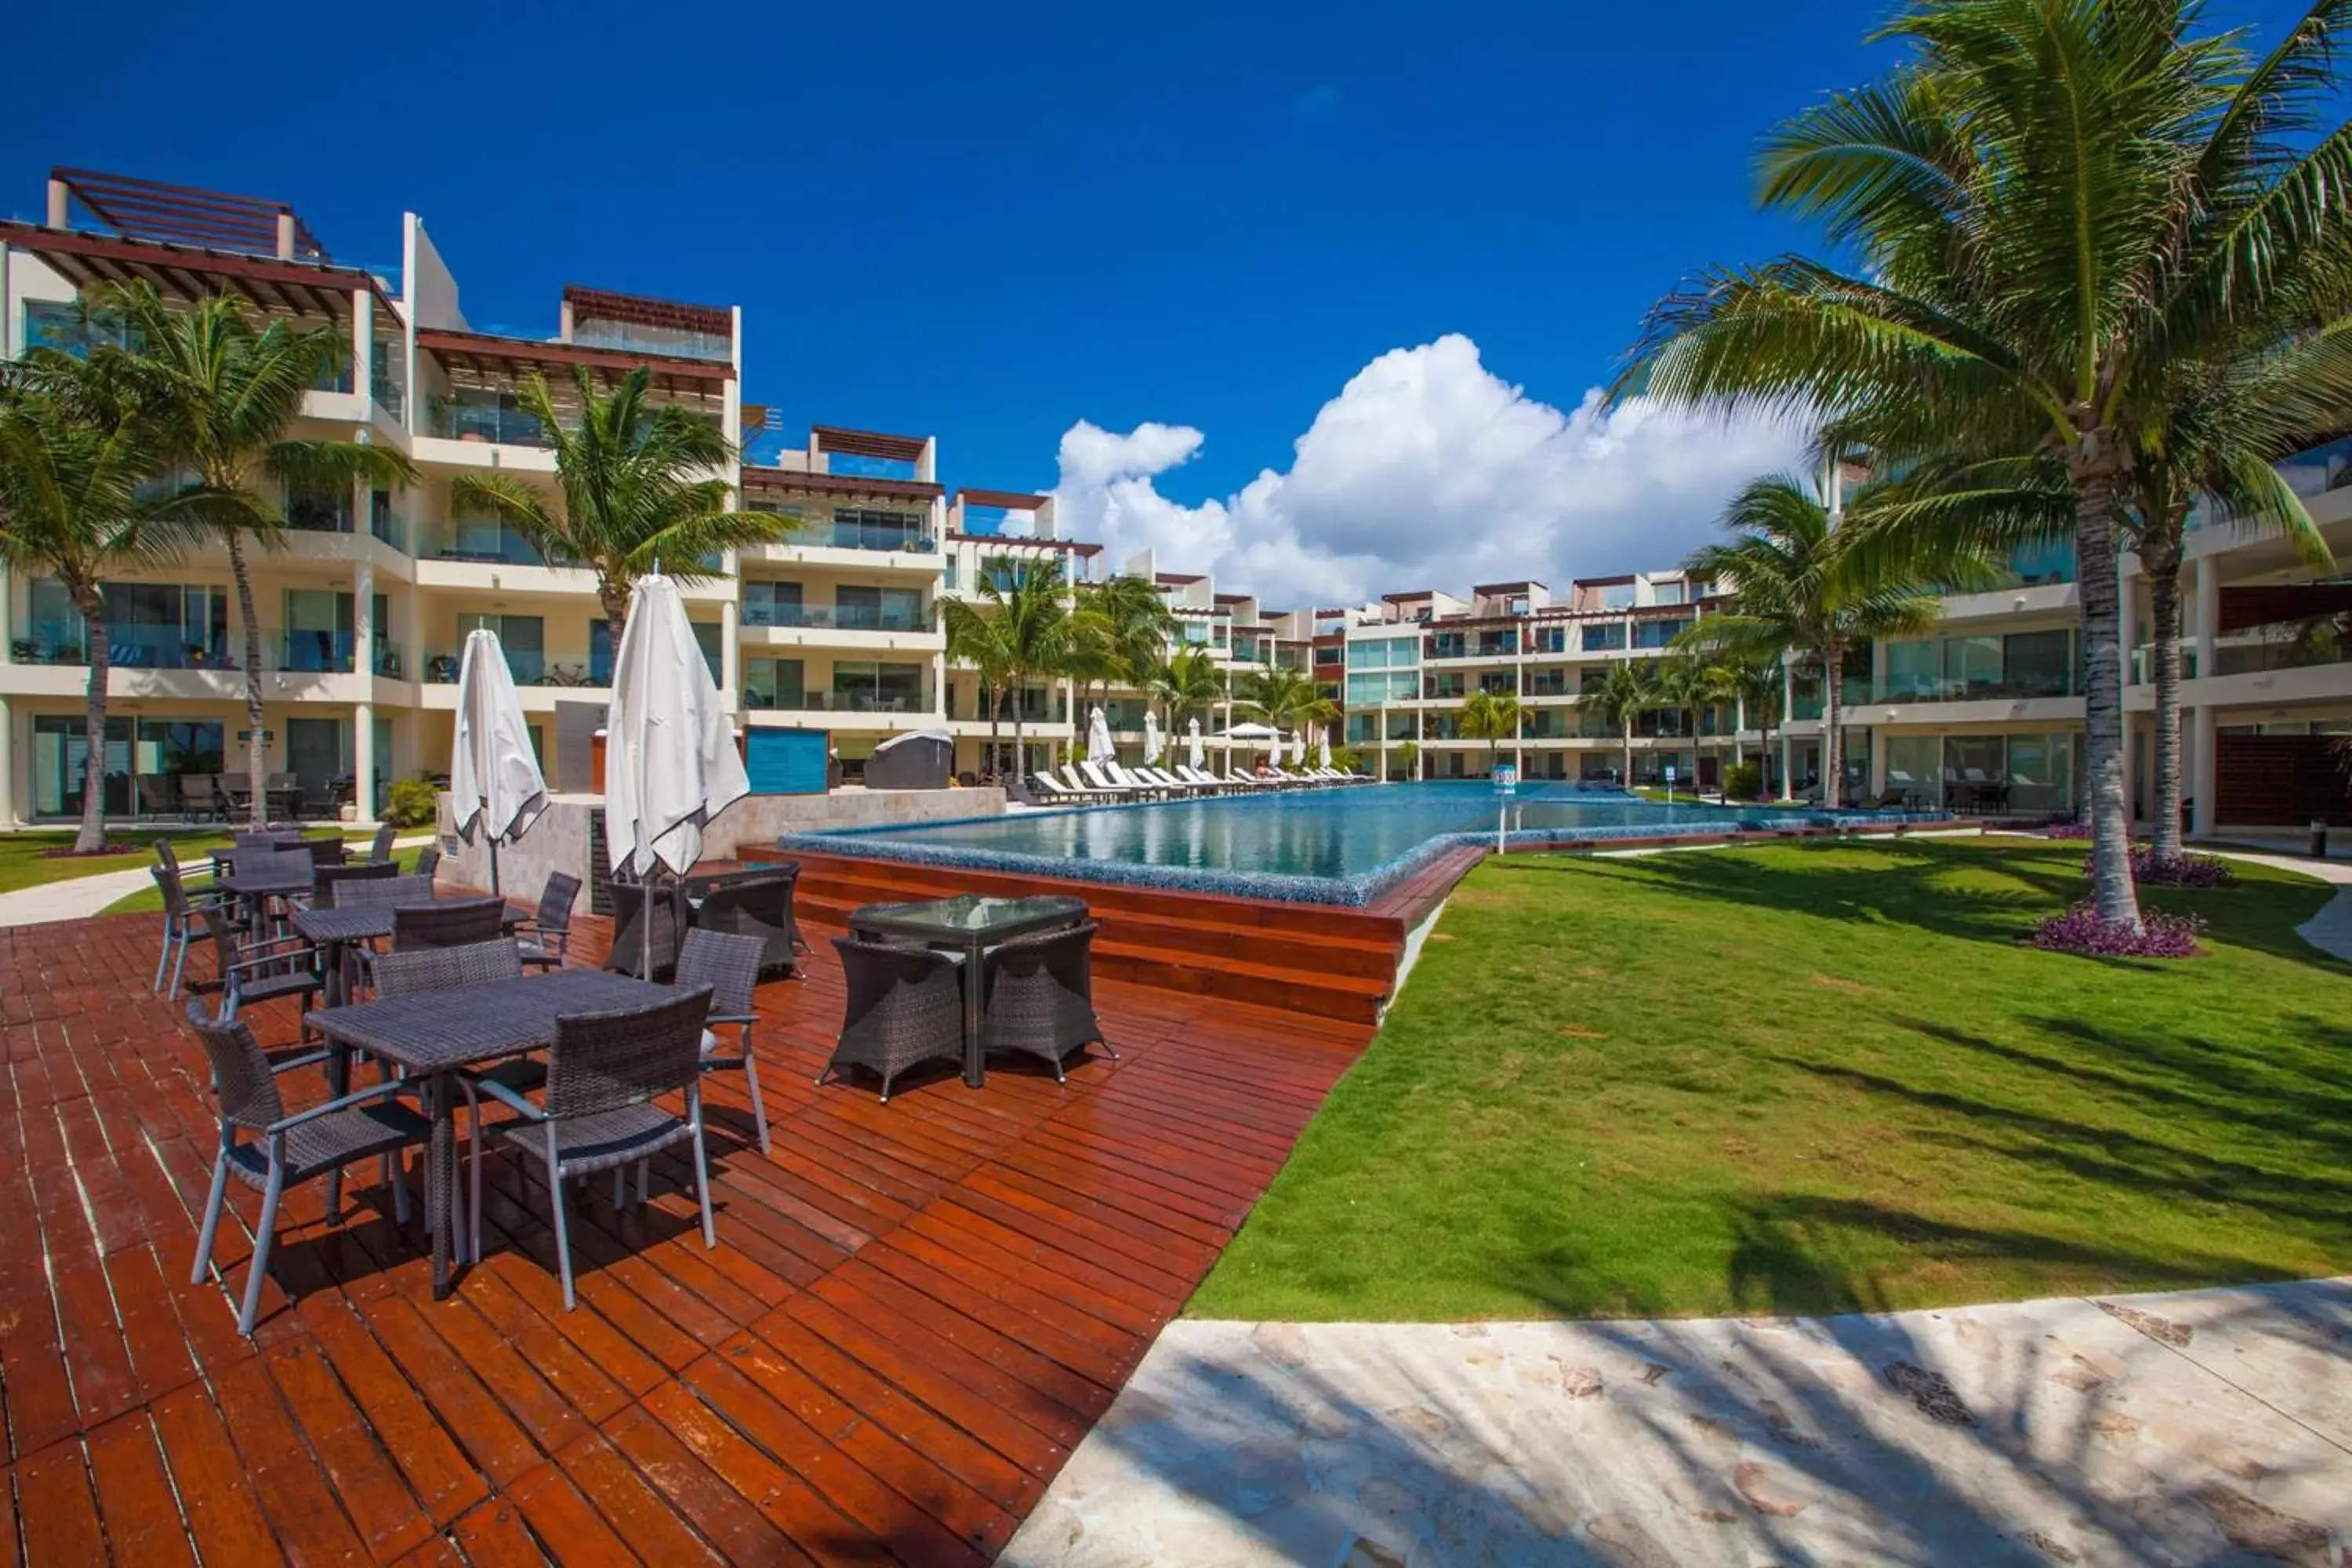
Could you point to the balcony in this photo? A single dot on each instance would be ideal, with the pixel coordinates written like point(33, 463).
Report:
point(484, 420)
point(294, 652)
point(837, 618)
point(529, 668)
point(850, 700)
point(969, 706)
point(481, 540)
point(387, 524)
point(2015, 667)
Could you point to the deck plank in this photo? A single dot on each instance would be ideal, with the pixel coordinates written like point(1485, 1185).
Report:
point(916, 1311)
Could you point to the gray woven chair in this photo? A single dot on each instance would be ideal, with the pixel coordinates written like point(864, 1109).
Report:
point(260, 968)
point(547, 934)
point(451, 969)
point(729, 966)
point(325, 880)
point(1038, 996)
point(326, 851)
point(353, 891)
point(183, 919)
point(451, 922)
point(285, 1151)
point(756, 904)
point(381, 850)
point(904, 1005)
point(639, 909)
point(428, 862)
point(267, 838)
point(603, 1074)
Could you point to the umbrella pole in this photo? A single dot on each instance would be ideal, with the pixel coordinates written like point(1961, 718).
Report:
point(495, 889)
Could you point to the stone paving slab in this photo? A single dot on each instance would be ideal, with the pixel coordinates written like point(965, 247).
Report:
point(2205, 1429)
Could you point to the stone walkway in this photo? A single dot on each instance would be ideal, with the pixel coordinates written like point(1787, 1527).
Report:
point(2205, 1428)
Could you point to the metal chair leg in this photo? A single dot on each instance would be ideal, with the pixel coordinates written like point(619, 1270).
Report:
point(751, 1083)
point(212, 1213)
point(262, 1237)
point(164, 959)
point(179, 967)
point(701, 1170)
point(555, 1208)
point(645, 1176)
point(620, 1188)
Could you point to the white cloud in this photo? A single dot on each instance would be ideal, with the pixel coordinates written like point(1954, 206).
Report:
point(1425, 471)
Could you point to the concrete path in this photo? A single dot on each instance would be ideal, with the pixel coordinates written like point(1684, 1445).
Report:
point(2207, 1428)
point(78, 898)
point(2329, 931)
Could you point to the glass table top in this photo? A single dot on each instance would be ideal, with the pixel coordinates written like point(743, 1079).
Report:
point(968, 914)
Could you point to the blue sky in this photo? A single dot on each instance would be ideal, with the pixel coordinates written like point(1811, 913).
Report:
point(991, 223)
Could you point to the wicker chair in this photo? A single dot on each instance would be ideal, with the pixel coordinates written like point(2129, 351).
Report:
point(328, 851)
point(904, 1005)
point(631, 922)
point(729, 966)
point(327, 881)
point(451, 969)
point(183, 915)
point(451, 922)
point(755, 904)
point(603, 1074)
point(1038, 996)
point(286, 1150)
point(267, 838)
point(381, 850)
point(353, 891)
point(428, 862)
point(546, 935)
point(260, 969)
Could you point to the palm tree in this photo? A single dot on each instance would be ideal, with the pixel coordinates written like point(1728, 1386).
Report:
point(1189, 681)
point(1797, 587)
point(2048, 205)
point(1131, 625)
point(77, 501)
point(221, 395)
point(1284, 698)
point(1031, 633)
point(1492, 717)
point(978, 640)
point(1755, 689)
point(639, 485)
point(1403, 759)
point(1619, 698)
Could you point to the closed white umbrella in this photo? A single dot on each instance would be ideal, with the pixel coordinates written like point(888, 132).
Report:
point(495, 786)
point(670, 763)
point(1152, 746)
point(1098, 746)
point(1323, 751)
point(1196, 754)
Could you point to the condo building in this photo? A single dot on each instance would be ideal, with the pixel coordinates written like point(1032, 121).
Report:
point(829, 641)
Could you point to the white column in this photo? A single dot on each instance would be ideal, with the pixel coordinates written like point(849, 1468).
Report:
point(7, 765)
point(1787, 712)
point(362, 343)
point(363, 762)
point(2204, 770)
point(731, 648)
point(2207, 626)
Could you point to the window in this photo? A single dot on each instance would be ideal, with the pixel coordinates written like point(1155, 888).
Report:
point(319, 634)
point(869, 528)
point(150, 626)
point(1602, 636)
point(1383, 653)
point(769, 604)
point(523, 638)
point(706, 637)
point(1370, 689)
point(862, 687)
point(773, 683)
point(1658, 634)
point(1668, 594)
point(1448, 645)
point(878, 609)
point(66, 326)
point(1548, 639)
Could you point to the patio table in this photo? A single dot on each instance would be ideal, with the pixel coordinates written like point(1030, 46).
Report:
point(436, 1033)
point(968, 924)
point(335, 931)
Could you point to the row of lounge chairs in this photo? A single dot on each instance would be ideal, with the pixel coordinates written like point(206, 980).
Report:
point(1096, 783)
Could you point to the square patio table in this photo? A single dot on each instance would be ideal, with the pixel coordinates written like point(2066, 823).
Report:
point(334, 932)
point(968, 924)
point(436, 1033)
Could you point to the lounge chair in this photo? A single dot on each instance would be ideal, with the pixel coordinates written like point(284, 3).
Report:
point(1075, 782)
point(1093, 773)
point(1049, 788)
point(1136, 778)
point(1201, 781)
point(1168, 780)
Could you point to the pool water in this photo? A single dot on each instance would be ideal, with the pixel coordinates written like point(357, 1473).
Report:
point(1339, 845)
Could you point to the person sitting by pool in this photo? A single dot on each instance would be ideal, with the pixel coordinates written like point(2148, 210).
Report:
point(1264, 772)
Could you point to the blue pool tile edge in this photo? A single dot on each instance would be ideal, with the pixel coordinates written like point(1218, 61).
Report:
point(1346, 892)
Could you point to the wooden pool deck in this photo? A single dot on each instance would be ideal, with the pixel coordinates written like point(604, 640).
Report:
point(914, 1313)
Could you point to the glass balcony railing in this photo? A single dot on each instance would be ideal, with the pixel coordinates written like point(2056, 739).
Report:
point(529, 667)
point(631, 337)
point(841, 535)
point(320, 513)
point(2299, 644)
point(1037, 710)
point(477, 539)
point(2143, 662)
point(494, 422)
point(128, 648)
point(846, 699)
point(2019, 666)
point(385, 392)
point(386, 523)
point(837, 618)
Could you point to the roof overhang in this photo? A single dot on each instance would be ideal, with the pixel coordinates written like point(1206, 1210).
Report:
point(803, 482)
point(192, 272)
point(486, 355)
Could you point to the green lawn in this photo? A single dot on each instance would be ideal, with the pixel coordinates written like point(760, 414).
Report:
point(150, 900)
point(24, 861)
point(1812, 1078)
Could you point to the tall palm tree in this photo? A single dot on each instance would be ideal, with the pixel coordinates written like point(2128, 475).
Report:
point(1030, 633)
point(1621, 697)
point(1492, 717)
point(1130, 621)
point(221, 394)
point(638, 485)
point(2048, 205)
point(1188, 682)
point(979, 641)
point(77, 502)
point(1284, 698)
point(1796, 588)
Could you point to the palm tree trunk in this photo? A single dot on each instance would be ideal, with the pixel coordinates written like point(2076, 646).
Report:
point(2103, 697)
point(1832, 725)
point(993, 695)
point(1625, 728)
point(1739, 730)
point(92, 606)
point(616, 599)
point(2162, 564)
point(1019, 681)
point(257, 748)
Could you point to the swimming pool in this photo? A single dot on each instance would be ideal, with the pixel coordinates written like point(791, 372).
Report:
point(1338, 846)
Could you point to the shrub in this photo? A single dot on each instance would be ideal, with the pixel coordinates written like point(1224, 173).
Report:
point(2155, 870)
point(1743, 780)
point(2080, 930)
point(2065, 831)
point(411, 805)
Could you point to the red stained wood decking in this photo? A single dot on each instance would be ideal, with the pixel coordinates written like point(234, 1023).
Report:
point(914, 1312)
